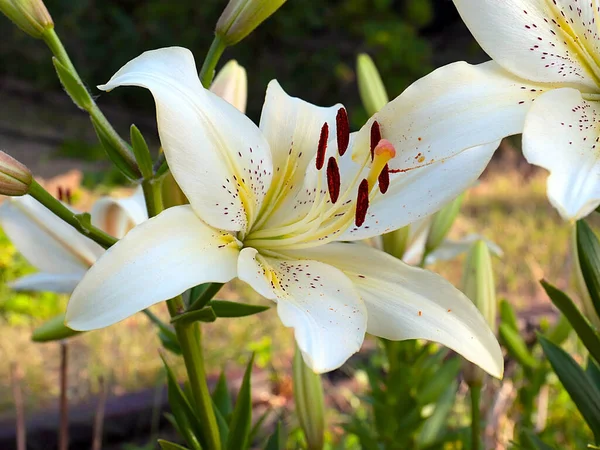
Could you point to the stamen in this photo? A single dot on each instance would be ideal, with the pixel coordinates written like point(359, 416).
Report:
point(333, 179)
point(375, 137)
point(382, 153)
point(322, 146)
point(362, 203)
point(60, 193)
point(384, 179)
point(343, 131)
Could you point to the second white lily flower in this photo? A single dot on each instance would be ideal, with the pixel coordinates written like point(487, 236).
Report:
point(269, 205)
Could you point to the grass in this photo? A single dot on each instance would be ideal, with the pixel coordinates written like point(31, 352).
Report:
point(506, 207)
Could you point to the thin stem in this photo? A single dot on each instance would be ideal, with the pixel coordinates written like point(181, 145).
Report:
point(207, 72)
point(100, 121)
point(475, 390)
point(61, 211)
point(190, 340)
point(63, 436)
point(15, 380)
point(207, 295)
point(99, 417)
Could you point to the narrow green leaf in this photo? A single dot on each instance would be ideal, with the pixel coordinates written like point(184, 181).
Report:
point(183, 412)
point(202, 315)
point(224, 308)
point(534, 442)
point(588, 250)
point(434, 427)
point(507, 315)
point(582, 391)
point(222, 397)
point(113, 153)
point(239, 429)
point(206, 293)
point(432, 391)
point(73, 86)
point(277, 440)
point(516, 346)
point(561, 331)
point(257, 426)
point(53, 330)
point(166, 445)
point(222, 424)
point(582, 327)
point(593, 372)
point(141, 152)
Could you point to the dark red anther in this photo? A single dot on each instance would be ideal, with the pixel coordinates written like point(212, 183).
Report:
point(61, 194)
point(362, 203)
point(68, 196)
point(384, 179)
point(333, 179)
point(322, 146)
point(375, 137)
point(343, 131)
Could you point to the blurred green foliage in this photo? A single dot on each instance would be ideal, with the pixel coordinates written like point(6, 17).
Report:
point(309, 46)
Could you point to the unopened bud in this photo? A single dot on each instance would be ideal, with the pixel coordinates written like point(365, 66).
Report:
point(371, 88)
point(478, 285)
point(396, 242)
point(310, 404)
point(31, 16)
point(442, 223)
point(53, 330)
point(15, 177)
point(231, 84)
point(241, 17)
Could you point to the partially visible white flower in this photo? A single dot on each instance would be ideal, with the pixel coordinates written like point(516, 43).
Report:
point(272, 205)
point(544, 82)
point(450, 249)
point(60, 253)
point(231, 84)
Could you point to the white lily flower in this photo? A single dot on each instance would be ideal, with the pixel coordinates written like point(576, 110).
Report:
point(231, 84)
point(267, 205)
point(60, 253)
point(544, 81)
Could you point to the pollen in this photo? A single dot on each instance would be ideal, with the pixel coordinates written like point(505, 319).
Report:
point(375, 137)
point(343, 131)
point(333, 179)
point(322, 148)
point(362, 203)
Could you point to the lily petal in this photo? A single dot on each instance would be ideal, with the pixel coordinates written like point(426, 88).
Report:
point(562, 135)
point(405, 302)
point(450, 249)
point(456, 107)
point(155, 261)
point(316, 299)
point(416, 194)
point(61, 283)
point(210, 145)
point(117, 216)
point(292, 128)
point(47, 242)
point(544, 41)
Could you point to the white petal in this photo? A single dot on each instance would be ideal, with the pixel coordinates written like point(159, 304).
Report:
point(456, 107)
point(450, 249)
point(562, 135)
point(317, 300)
point(545, 41)
point(231, 84)
point(417, 240)
point(61, 283)
point(47, 242)
point(416, 194)
point(156, 261)
point(117, 216)
point(405, 302)
point(211, 147)
point(292, 127)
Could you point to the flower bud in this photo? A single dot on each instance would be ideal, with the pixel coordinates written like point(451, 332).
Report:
point(53, 330)
point(587, 305)
point(31, 16)
point(442, 223)
point(310, 405)
point(15, 178)
point(371, 88)
point(478, 285)
point(231, 84)
point(396, 242)
point(241, 17)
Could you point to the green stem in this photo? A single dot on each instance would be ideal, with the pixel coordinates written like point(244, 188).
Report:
point(475, 416)
point(190, 340)
point(207, 72)
point(207, 295)
point(60, 210)
point(99, 120)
